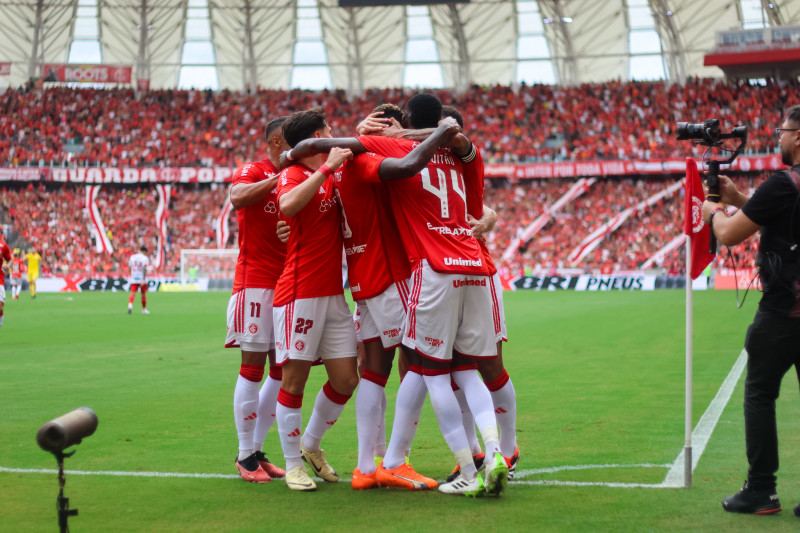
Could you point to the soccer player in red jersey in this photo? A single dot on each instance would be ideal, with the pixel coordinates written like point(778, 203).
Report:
point(5, 257)
point(450, 277)
point(492, 369)
point(311, 316)
point(250, 327)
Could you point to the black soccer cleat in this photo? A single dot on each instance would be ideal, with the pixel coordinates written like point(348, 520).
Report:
point(753, 501)
point(477, 459)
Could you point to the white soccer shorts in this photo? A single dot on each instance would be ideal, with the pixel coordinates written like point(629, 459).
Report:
point(250, 320)
point(449, 312)
point(384, 316)
point(2, 294)
point(314, 328)
point(501, 334)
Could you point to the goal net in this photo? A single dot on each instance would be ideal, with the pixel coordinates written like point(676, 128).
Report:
point(211, 270)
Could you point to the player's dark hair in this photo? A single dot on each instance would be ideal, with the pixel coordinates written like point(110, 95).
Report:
point(423, 110)
point(303, 124)
point(793, 114)
point(143, 249)
point(390, 111)
point(452, 112)
point(273, 125)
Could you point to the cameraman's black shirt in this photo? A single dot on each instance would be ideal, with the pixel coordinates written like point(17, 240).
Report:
point(772, 207)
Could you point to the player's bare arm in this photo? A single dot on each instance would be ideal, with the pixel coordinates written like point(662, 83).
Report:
point(293, 201)
point(483, 225)
point(246, 194)
point(320, 145)
point(419, 157)
point(460, 144)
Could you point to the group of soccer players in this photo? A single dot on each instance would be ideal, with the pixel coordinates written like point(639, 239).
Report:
point(405, 203)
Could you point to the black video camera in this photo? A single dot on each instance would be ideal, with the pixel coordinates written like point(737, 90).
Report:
point(710, 134)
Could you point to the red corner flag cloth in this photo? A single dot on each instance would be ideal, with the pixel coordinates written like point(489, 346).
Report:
point(694, 225)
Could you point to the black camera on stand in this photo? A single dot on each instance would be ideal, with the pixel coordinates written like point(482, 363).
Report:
point(55, 437)
point(709, 134)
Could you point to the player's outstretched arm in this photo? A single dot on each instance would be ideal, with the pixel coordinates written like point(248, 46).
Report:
point(320, 145)
point(297, 198)
point(419, 157)
point(246, 194)
point(460, 144)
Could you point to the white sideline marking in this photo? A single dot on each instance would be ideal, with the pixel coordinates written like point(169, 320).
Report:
point(554, 469)
point(705, 426)
point(674, 478)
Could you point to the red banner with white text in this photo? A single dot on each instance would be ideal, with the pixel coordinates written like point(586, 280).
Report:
point(513, 171)
point(60, 73)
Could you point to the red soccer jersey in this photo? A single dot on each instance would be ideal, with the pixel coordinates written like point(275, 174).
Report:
point(5, 253)
point(431, 210)
point(375, 255)
point(313, 265)
point(473, 181)
point(17, 265)
point(261, 254)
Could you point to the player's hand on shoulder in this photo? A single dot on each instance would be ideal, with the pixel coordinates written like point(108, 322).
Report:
point(337, 157)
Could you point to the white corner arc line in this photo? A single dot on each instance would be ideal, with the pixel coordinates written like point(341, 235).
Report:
point(705, 426)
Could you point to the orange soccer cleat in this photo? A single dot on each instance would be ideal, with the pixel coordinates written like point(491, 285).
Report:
point(404, 476)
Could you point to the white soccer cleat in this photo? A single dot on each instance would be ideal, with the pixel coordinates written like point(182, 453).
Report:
point(297, 479)
point(459, 485)
point(145, 312)
point(316, 460)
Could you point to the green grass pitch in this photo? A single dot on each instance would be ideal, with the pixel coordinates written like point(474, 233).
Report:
point(599, 380)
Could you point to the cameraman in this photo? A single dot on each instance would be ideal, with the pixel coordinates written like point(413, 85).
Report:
point(773, 339)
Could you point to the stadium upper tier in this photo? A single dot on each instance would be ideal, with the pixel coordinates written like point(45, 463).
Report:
point(614, 120)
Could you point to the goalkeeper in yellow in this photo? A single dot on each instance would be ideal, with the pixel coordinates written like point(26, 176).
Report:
point(32, 258)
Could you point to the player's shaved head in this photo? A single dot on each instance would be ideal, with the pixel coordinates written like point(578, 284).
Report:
point(423, 110)
point(452, 112)
point(274, 126)
point(303, 124)
point(390, 111)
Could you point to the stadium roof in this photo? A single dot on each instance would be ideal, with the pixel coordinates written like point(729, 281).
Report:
point(315, 43)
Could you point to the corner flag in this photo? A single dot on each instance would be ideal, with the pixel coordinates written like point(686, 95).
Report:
point(694, 226)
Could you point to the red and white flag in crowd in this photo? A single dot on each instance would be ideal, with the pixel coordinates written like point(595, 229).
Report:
point(102, 242)
point(694, 226)
point(221, 226)
point(162, 212)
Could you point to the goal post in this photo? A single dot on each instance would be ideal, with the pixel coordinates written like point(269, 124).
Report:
point(217, 266)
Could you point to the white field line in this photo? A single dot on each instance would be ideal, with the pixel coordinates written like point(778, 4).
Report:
point(705, 426)
point(674, 478)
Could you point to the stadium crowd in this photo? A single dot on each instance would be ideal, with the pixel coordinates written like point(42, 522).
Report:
point(53, 219)
point(613, 120)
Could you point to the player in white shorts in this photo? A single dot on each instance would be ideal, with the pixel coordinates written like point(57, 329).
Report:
point(250, 327)
point(138, 263)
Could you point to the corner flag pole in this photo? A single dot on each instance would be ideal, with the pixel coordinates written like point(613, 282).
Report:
point(687, 448)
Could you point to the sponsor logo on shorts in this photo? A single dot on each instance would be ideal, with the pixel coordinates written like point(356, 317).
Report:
point(392, 332)
point(469, 283)
point(460, 261)
point(435, 343)
point(299, 345)
point(253, 329)
point(358, 325)
point(279, 345)
point(356, 249)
